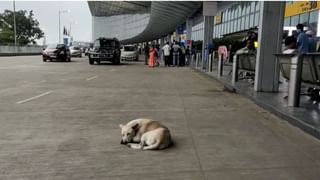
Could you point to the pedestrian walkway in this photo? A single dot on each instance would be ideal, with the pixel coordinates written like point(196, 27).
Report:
point(72, 133)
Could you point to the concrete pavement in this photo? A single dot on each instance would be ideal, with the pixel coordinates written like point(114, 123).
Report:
point(59, 121)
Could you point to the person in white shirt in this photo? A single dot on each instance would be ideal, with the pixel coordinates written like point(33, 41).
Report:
point(166, 52)
point(176, 49)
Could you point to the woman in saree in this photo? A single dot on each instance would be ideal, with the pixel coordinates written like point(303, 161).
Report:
point(152, 57)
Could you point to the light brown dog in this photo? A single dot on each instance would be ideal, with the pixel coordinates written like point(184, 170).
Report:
point(145, 134)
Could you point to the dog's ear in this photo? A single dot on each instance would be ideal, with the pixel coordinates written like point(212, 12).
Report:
point(135, 127)
point(121, 126)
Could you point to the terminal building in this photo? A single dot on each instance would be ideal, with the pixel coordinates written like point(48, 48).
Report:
point(202, 22)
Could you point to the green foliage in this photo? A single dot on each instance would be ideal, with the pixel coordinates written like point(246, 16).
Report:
point(26, 26)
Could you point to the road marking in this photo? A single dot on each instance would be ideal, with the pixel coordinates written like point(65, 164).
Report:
point(34, 97)
point(90, 78)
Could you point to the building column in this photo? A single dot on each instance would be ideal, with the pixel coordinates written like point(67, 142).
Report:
point(177, 35)
point(209, 11)
point(269, 43)
point(189, 30)
point(161, 41)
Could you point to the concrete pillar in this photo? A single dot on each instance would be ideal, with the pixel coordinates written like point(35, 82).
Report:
point(209, 11)
point(269, 43)
point(189, 29)
point(161, 41)
point(177, 35)
point(169, 38)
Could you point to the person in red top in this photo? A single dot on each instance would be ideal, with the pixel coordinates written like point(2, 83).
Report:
point(152, 57)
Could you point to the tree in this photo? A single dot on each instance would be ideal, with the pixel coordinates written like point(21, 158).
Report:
point(27, 27)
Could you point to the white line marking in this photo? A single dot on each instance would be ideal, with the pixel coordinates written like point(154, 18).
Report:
point(90, 78)
point(34, 97)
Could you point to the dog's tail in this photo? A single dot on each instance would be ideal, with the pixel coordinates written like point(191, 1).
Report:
point(134, 146)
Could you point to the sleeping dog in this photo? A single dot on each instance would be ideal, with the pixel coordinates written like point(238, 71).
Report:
point(145, 134)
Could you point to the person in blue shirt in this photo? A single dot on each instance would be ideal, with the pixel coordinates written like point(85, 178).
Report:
point(312, 41)
point(302, 40)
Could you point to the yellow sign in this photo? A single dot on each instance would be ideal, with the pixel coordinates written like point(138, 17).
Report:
point(300, 7)
point(217, 19)
point(183, 37)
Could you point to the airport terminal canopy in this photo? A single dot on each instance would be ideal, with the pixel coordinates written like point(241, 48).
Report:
point(132, 21)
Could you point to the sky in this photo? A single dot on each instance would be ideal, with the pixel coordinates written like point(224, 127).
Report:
point(46, 12)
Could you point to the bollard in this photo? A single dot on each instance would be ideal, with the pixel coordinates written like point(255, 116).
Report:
point(210, 63)
point(220, 65)
point(197, 59)
point(295, 81)
point(234, 70)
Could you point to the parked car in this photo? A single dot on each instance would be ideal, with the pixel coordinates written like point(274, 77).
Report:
point(56, 51)
point(105, 49)
point(75, 51)
point(129, 53)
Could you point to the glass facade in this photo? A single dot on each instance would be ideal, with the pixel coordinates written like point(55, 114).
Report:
point(246, 15)
point(309, 19)
point(239, 17)
point(197, 32)
point(120, 26)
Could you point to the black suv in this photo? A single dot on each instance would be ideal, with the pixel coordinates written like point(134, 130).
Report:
point(105, 49)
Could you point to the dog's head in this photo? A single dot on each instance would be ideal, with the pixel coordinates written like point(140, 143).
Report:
point(128, 132)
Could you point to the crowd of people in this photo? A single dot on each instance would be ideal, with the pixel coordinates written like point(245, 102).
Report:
point(176, 54)
point(301, 42)
point(169, 55)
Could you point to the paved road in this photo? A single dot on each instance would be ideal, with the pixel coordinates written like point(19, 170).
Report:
point(59, 121)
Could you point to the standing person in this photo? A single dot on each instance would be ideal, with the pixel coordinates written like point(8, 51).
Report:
point(188, 56)
point(166, 52)
point(312, 41)
point(176, 49)
point(159, 54)
point(171, 55)
point(146, 54)
point(302, 40)
point(182, 57)
point(152, 57)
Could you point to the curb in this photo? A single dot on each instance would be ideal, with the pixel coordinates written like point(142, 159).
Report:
point(291, 119)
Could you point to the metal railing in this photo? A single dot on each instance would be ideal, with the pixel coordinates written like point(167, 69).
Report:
point(298, 69)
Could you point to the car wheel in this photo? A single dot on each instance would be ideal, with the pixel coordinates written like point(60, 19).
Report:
point(98, 61)
point(80, 55)
point(69, 59)
point(116, 61)
point(91, 61)
point(44, 59)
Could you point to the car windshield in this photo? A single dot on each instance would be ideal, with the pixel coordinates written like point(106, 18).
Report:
point(55, 46)
point(75, 48)
point(104, 43)
point(129, 48)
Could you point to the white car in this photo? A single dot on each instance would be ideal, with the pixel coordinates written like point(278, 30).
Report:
point(75, 51)
point(129, 53)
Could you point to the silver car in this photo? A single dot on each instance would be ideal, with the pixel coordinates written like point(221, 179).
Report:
point(129, 53)
point(75, 51)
